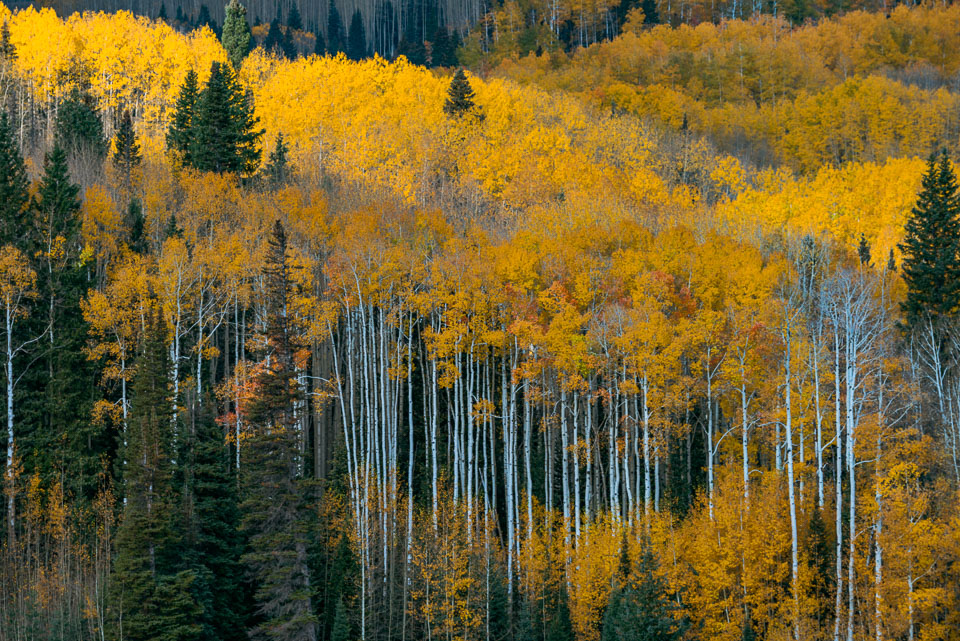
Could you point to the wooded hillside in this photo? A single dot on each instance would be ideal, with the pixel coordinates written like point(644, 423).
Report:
point(329, 349)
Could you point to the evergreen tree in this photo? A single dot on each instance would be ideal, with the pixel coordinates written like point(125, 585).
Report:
point(14, 195)
point(274, 518)
point(214, 542)
point(223, 133)
point(61, 432)
point(149, 596)
point(276, 169)
point(180, 134)
point(639, 609)
point(126, 150)
point(289, 47)
point(273, 43)
point(78, 126)
point(134, 223)
point(357, 45)
point(204, 19)
point(7, 49)
point(180, 18)
point(930, 264)
point(172, 229)
point(162, 15)
point(454, 46)
point(341, 623)
point(863, 251)
point(319, 45)
point(236, 37)
point(819, 553)
point(412, 49)
point(459, 96)
point(441, 54)
point(335, 35)
point(294, 21)
point(650, 13)
point(175, 611)
point(558, 624)
point(341, 581)
point(747, 633)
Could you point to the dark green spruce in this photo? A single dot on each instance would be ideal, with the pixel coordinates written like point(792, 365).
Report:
point(639, 608)
point(151, 593)
point(277, 170)
point(61, 434)
point(275, 516)
point(931, 264)
point(78, 127)
point(213, 544)
point(14, 194)
point(179, 136)
point(357, 39)
point(459, 96)
point(223, 133)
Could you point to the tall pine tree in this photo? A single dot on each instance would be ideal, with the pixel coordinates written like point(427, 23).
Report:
point(357, 42)
point(180, 134)
point(78, 127)
point(459, 96)
point(639, 607)
point(126, 150)
point(224, 134)
point(151, 595)
point(236, 37)
point(213, 541)
point(931, 264)
point(14, 197)
point(277, 168)
point(294, 21)
point(335, 36)
point(273, 43)
point(59, 390)
point(274, 518)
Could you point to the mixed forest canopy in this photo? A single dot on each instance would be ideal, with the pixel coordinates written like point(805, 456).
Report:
point(644, 335)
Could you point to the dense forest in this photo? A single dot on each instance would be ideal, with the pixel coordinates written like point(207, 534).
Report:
point(655, 338)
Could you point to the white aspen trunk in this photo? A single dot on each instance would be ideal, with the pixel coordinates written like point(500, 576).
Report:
point(838, 426)
point(794, 553)
point(647, 489)
point(709, 435)
point(565, 473)
point(468, 408)
point(627, 449)
point(508, 406)
point(656, 479)
point(457, 457)
point(200, 343)
point(851, 385)
point(10, 473)
point(744, 437)
point(236, 374)
point(175, 357)
point(818, 416)
point(878, 524)
point(528, 468)
point(910, 624)
point(613, 455)
point(588, 433)
point(123, 393)
point(409, 543)
point(576, 471)
point(434, 419)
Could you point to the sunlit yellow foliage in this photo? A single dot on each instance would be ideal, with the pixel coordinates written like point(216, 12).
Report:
point(859, 198)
